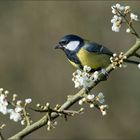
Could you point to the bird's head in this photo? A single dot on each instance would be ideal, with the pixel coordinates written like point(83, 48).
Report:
point(70, 42)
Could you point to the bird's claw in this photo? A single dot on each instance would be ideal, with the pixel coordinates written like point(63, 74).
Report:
point(105, 73)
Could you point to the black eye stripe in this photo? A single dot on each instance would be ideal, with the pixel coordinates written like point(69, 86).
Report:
point(63, 42)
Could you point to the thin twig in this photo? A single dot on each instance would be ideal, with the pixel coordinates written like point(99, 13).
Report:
point(129, 24)
point(57, 111)
point(26, 117)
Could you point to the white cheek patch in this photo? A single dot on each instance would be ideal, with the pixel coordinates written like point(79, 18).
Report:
point(72, 45)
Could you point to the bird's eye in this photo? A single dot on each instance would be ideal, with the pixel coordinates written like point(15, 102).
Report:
point(63, 42)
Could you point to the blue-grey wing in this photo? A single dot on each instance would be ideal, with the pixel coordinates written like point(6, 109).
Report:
point(94, 47)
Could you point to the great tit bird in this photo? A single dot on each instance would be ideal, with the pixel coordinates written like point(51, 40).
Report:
point(81, 52)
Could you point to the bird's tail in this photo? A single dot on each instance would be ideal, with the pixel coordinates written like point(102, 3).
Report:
point(132, 61)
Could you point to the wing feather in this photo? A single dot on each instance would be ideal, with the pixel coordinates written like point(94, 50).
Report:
point(100, 49)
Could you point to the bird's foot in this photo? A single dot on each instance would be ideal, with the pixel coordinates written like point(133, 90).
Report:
point(105, 73)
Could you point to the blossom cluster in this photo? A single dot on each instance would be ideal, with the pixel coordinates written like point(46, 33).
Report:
point(95, 101)
point(118, 60)
point(84, 78)
point(122, 14)
point(15, 108)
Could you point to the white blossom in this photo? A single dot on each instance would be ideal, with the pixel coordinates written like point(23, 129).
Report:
point(115, 27)
point(139, 66)
point(49, 123)
point(95, 75)
point(104, 112)
point(103, 109)
point(47, 104)
point(87, 68)
point(80, 102)
point(114, 54)
point(84, 99)
point(134, 17)
point(127, 8)
point(120, 7)
point(29, 100)
point(82, 78)
point(6, 106)
point(3, 104)
point(19, 102)
point(90, 96)
point(117, 5)
point(77, 84)
point(100, 97)
point(23, 122)
point(128, 30)
point(18, 109)
point(114, 11)
point(48, 128)
point(15, 116)
point(6, 92)
point(116, 21)
point(91, 105)
point(119, 12)
point(55, 123)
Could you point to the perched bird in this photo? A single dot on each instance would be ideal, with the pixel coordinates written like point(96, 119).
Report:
point(81, 52)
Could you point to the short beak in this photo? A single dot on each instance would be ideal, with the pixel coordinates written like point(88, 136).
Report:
point(57, 46)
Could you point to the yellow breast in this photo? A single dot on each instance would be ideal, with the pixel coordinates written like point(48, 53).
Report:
point(94, 60)
point(74, 64)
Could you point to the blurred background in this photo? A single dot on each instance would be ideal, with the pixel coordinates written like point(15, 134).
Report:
point(31, 67)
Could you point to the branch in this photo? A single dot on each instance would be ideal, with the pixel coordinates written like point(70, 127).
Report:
point(137, 55)
point(132, 51)
point(72, 100)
